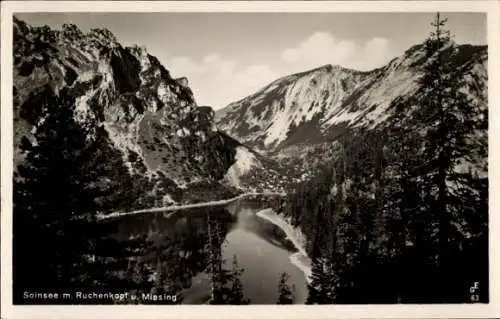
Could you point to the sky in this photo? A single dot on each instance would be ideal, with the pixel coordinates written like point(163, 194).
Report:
point(227, 56)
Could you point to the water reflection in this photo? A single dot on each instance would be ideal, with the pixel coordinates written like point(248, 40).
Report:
point(187, 253)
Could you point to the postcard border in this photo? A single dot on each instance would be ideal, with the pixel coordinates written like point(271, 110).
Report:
point(491, 7)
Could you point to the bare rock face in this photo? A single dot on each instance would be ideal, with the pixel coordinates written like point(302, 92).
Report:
point(148, 117)
point(183, 82)
point(313, 106)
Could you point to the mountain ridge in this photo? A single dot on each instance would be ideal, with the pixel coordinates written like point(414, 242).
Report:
point(129, 104)
point(336, 98)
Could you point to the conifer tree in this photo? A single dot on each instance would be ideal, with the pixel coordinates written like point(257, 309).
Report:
point(323, 278)
point(450, 115)
point(56, 202)
point(408, 222)
point(407, 214)
point(318, 288)
point(236, 296)
point(52, 201)
point(219, 277)
point(285, 293)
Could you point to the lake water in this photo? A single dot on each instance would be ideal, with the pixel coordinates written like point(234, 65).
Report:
point(177, 249)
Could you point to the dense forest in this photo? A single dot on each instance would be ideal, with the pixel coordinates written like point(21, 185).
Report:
point(392, 219)
point(59, 246)
point(56, 199)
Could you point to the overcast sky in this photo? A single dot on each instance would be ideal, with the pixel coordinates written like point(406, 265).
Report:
point(226, 56)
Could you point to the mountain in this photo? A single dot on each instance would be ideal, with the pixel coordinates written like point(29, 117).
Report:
point(134, 110)
point(297, 113)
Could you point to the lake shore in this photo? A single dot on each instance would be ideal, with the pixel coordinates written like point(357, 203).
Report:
point(300, 259)
point(174, 208)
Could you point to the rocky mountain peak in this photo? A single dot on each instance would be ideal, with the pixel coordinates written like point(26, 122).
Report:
point(332, 68)
point(315, 105)
point(148, 117)
point(183, 81)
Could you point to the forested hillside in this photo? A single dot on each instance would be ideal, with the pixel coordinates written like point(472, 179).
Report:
point(401, 212)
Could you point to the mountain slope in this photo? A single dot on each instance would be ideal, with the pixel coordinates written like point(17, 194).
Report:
point(147, 120)
point(317, 105)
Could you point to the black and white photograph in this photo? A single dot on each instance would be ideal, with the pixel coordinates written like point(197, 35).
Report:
point(250, 158)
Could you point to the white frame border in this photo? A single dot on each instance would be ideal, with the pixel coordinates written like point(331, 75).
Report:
point(491, 310)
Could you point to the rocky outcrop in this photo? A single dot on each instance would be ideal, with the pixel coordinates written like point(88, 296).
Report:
point(150, 118)
point(311, 107)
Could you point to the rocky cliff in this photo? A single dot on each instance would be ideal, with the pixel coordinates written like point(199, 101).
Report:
point(132, 105)
point(316, 105)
